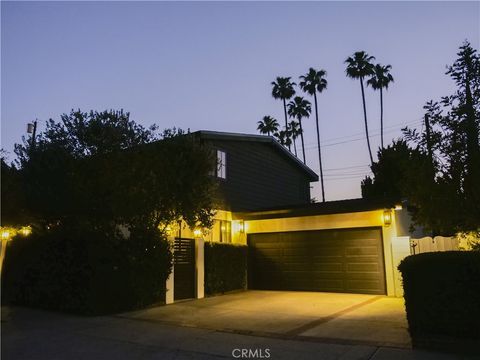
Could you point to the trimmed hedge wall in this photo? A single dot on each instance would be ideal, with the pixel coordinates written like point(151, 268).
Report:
point(86, 272)
point(442, 294)
point(225, 267)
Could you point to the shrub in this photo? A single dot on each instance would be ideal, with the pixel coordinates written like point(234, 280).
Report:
point(442, 294)
point(225, 267)
point(84, 271)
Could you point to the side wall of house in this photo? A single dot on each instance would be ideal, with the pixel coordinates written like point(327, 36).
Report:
point(259, 176)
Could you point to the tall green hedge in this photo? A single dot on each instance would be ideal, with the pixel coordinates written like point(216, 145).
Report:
point(86, 271)
point(225, 267)
point(442, 294)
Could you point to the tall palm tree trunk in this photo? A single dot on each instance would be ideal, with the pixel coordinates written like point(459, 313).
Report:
point(319, 148)
point(366, 122)
point(301, 137)
point(286, 119)
point(381, 117)
point(295, 146)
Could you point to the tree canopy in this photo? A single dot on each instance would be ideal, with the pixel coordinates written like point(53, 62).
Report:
point(438, 169)
point(104, 168)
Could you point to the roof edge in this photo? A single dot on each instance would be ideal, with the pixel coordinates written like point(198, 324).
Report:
point(207, 134)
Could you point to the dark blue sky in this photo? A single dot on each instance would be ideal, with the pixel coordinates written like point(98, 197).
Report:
point(209, 66)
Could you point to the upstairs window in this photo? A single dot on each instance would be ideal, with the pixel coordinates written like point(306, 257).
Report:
point(221, 164)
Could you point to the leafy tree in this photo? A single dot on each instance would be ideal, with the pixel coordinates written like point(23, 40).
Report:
point(300, 108)
point(380, 80)
point(359, 67)
point(268, 125)
point(312, 82)
point(438, 173)
point(283, 89)
point(103, 168)
point(14, 212)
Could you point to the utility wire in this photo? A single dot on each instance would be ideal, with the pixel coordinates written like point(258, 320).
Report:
point(396, 126)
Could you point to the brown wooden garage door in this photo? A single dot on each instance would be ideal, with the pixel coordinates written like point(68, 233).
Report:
point(345, 260)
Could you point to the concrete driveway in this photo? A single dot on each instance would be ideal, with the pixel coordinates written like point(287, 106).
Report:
point(327, 317)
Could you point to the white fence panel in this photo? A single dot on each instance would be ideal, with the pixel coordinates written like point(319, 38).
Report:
point(429, 244)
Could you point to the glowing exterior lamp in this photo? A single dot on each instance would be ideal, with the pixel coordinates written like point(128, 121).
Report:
point(6, 234)
point(387, 217)
point(25, 230)
point(241, 226)
point(197, 232)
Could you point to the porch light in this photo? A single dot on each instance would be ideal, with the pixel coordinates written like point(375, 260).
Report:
point(197, 232)
point(241, 226)
point(168, 230)
point(6, 234)
point(25, 230)
point(387, 217)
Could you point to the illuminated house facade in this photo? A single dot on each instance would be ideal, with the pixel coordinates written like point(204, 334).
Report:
point(264, 201)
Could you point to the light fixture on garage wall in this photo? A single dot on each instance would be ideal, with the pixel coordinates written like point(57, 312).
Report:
point(387, 217)
point(241, 226)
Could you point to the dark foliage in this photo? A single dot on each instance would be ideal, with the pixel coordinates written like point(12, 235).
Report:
point(225, 267)
point(14, 211)
point(442, 294)
point(439, 171)
point(102, 167)
point(87, 271)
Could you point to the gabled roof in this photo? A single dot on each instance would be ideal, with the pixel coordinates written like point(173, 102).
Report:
point(217, 135)
point(320, 208)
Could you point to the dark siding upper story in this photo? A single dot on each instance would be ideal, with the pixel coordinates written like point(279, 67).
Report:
point(259, 173)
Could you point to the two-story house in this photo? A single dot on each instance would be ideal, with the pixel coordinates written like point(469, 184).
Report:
point(264, 201)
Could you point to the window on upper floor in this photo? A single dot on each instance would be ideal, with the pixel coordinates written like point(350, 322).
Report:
point(221, 171)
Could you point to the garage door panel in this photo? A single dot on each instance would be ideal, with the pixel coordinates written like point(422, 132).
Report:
point(363, 276)
point(327, 275)
point(329, 285)
point(365, 267)
point(328, 266)
point(326, 258)
point(365, 285)
point(342, 260)
point(357, 250)
point(362, 258)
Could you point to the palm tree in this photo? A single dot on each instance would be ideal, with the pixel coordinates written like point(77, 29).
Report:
point(380, 80)
point(283, 138)
point(314, 81)
point(268, 125)
point(300, 108)
point(358, 67)
point(283, 89)
point(294, 129)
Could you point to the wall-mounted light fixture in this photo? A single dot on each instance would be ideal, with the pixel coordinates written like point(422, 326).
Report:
point(241, 226)
point(6, 234)
point(387, 217)
point(25, 230)
point(197, 232)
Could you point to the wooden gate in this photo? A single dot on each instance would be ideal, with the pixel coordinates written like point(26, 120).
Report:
point(184, 269)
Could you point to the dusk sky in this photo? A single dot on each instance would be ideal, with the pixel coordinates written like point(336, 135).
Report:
point(209, 65)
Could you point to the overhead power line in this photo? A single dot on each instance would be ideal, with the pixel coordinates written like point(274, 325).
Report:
point(375, 133)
